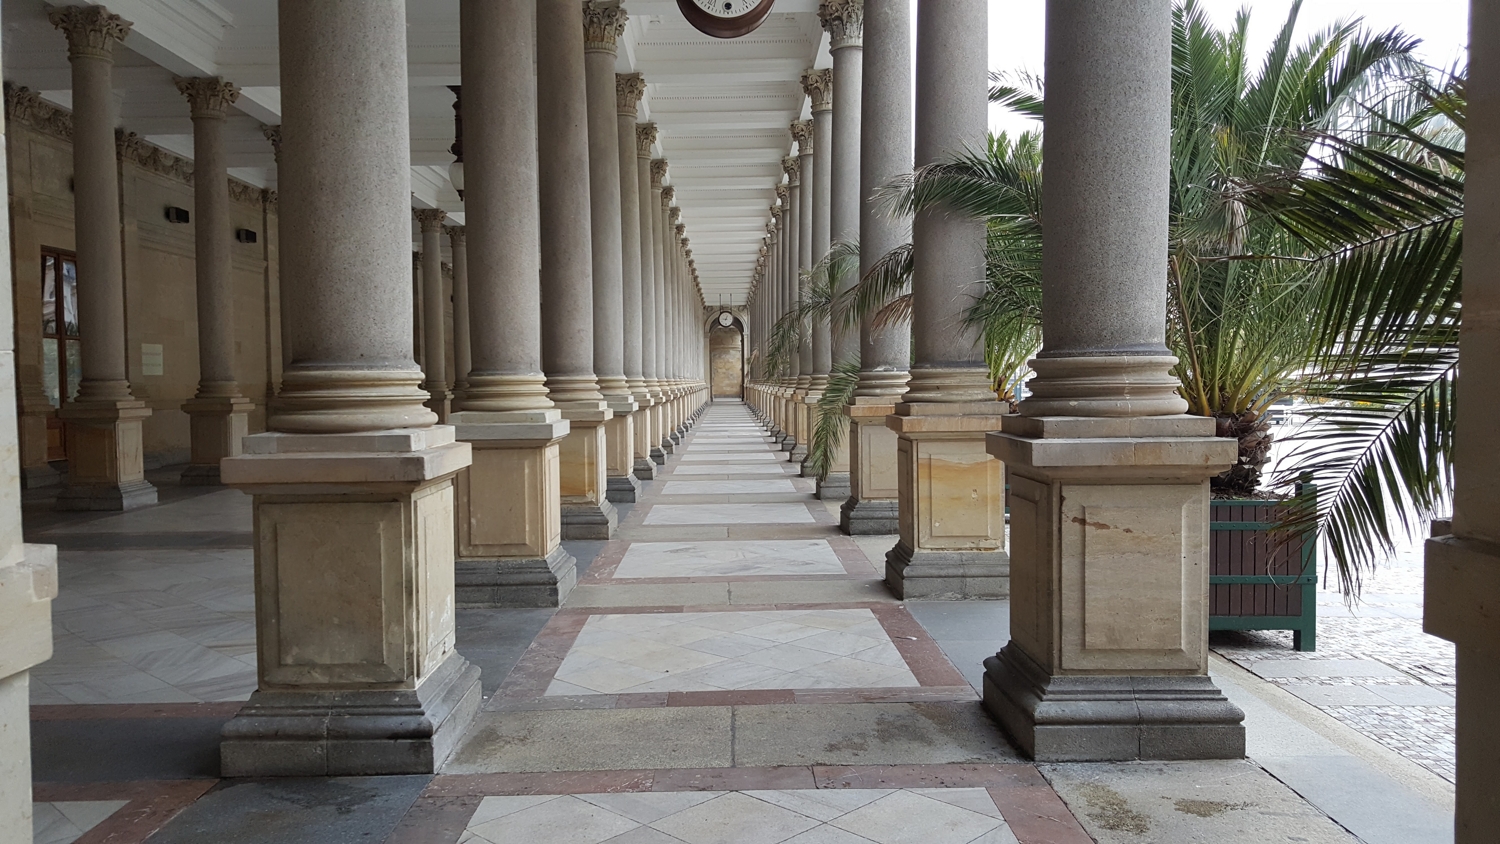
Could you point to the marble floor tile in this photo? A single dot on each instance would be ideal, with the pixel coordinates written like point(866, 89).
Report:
point(715, 651)
point(747, 469)
point(797, 816)
point(66, 822)
point(729, 514)
point(729, 559)
point(729, 457)
point(727, 487)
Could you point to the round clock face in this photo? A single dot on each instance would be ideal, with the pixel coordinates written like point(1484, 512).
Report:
point(725, 18)
point(727, 8)
point(726, 319)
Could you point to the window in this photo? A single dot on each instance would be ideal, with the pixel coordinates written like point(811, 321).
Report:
point(62, 345)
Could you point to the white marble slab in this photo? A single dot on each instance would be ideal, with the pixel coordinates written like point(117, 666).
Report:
point(729, 469)
point(756, 487)
point(721, 457)
point(729, 514)
point(729, 559)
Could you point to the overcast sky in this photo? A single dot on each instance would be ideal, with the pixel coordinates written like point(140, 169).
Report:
point(1017, 30)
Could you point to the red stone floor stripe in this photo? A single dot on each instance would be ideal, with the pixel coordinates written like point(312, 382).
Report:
point(152, 804)
point(1035, 813)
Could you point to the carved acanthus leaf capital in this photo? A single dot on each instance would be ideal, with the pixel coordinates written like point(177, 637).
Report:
point(455, 234)
point(273, 134)
point(818, 85)
point(668, 194)
point(431, 219)
point(629, 88)
point(208, 96)
point(781, 194)
point(91, 30)
point(658, 172)
point(802, 133)
point(645, 136)
point(792, 167)
point(603, 24)
point(674, 214)
point(844, 20)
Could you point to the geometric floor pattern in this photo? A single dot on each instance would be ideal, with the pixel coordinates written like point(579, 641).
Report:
point(729, 559)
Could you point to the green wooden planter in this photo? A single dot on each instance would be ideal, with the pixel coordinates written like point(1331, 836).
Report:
point(1259, 580)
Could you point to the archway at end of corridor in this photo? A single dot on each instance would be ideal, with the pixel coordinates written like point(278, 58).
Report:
point(726, 359)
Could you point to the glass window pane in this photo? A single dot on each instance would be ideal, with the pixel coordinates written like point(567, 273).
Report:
point(49, 297)
point(50, 380)
point(75, 367)
point(70, 297)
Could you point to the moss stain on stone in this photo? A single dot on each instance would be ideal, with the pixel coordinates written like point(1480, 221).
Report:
point(1109, 810)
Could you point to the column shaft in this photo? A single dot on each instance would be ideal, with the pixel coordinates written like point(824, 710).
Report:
point(844, 21)
point(463, 356)
point(434, 312)
point(602, 26)
point(819, 86)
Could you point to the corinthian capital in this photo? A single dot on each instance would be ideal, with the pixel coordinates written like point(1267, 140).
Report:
point(431, 219)
point(645, 136)
point(629, 88)
point(792, 167)
point(658, 172)
point(208, 96)
point(844, 20)
point(603, 24)
point(818, 85)
point(668, 194)
point(802, 133)
point(781, 192)
point(455, 234)
point(273, 134)
point(91, 30)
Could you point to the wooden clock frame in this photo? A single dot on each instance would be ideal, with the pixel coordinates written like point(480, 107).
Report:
point(725, 27)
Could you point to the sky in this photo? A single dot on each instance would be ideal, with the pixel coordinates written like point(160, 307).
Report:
point(1017, 30)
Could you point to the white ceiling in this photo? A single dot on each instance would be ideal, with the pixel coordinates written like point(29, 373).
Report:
point(721, 107)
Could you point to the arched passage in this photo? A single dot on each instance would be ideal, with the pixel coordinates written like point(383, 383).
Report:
point(726, 359)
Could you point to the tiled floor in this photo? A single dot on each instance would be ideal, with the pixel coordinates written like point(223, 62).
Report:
point(63, 822)
point(729, 558)
point(720, 514)
point(825, 816)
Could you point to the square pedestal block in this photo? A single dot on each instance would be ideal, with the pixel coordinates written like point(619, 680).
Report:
point(218, 427)
point(873, 506)
point(355, 606)
point(583, 482)
point(509, 516)
point(619, 451)
point(809, 410)
point(105, 457)
point(952, 511)
point(642, 464)
point(1108, 652)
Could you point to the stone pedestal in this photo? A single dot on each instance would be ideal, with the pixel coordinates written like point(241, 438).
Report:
point(834, 485)
point(1108, 655)
point(643, 466)
point(218, 427)
point(105, 460)
point(873, 506)
point(809, 409)
point(803, 423)
point(28, 584)
point(586, 511)
point(354, 605)
point(660, 445)
point(509, 521)
point(619, 450)
point(952, 510)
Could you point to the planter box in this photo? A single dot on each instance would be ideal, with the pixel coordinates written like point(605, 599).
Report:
point(1259, 580)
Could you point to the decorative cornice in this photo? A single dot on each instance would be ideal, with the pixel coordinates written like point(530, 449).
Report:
point(273, 134)
point(25, 106)
point(645, 136)
point(818, 85)
point(603, 24)
point(792, 167)
point(802, 133)
point(134, 149)
point(658, 172)
point(629, 88)
point(668, 193)
point(430, 218)
point(271, 198)
point(455, 234)
point(844, 20)
point(209, 96)
point(91, 30)
point(245, 193)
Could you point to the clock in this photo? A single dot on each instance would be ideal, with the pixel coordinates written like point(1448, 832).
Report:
point(726, 319)
point(725, 18)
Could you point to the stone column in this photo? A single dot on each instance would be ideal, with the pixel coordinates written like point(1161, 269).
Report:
point(603, 24)
point(951, 493)
point(664, 317)
point(1463, 568)
point(807, 397)
point(509, 523)
point(629, 88)
point(797, 389)
point(463, 350)
point(353, 484)
point(775, 273)
point(568, 329)
point(661, 444)
point(28, 583)
point(434, 312)
point(1108, 654)
point(648, 435)
point(884, 351)
point(818, 84)
point(220, 415)
point(103, 425)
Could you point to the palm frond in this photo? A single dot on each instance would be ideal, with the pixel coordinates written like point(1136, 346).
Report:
point(830, 424)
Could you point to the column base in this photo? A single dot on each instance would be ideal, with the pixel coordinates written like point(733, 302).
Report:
point(516, 582)
point(668, 446)
point(364, 732)
point(37, 477)
point(105, 457)
point(798, 453)
point(589, 520)
point(947, 575)
point(658, 456)
point(645, 469)
point(834, 487)
point(219, 425)
point(790, 444)
point(1110, 718)
point(870, 518)
point(126, 496)
point(622, 489)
